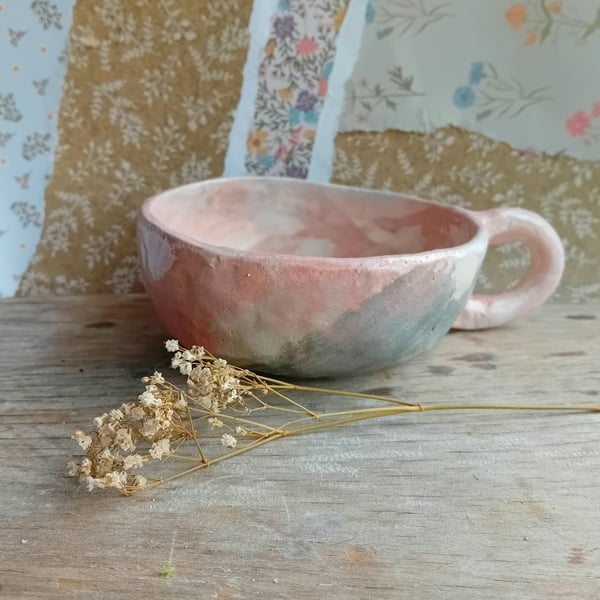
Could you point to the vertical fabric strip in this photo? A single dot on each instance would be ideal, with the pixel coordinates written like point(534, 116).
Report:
point(33, 36)
point(242, 123)
point(293, 82)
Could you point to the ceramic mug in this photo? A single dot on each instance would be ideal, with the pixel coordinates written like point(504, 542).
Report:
point(309, 280)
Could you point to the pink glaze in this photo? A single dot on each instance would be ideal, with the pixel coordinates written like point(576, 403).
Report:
point(314, 280)
point(504, 225)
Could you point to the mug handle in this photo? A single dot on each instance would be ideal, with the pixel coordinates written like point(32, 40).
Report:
point(503, 225)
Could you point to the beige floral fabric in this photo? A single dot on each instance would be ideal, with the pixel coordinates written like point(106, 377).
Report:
point(469, 170)
point(147, 105)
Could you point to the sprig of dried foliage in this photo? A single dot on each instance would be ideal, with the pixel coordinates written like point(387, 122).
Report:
point(221, 412)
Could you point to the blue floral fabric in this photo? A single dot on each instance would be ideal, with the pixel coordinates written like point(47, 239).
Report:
point(33, 36)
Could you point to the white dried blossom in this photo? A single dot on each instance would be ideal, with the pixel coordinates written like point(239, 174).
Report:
point(85, 468)
point(232, 396)
point(181, 402)
point(116, 414)
point(93, 483)
point(220, 362)
point(137, 413)
point(230, 383)
point(241, 430)
point(99, 421)
point(116, 479)
point(160, 448)
point(140, 481)
point(157, 378)
point(133, 461)
point(185, 368)
point(124, 441)
point(84, 440)
point(187, 355)
point(215, 423)
point(110, 427)
point(164, 419)
point(148, 399)
point(228, 441)
point(172, 345)
point(199, 352)
point(149, 429)
point(201, 375)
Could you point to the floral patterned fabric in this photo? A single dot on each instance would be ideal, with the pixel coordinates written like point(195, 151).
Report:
point(148, 104)
point(33, 37)
point(149, 101)
point(293, 83)
point(466, 169)
point(520, 74)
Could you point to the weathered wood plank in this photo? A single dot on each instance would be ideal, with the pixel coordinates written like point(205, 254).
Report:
point(445, 505)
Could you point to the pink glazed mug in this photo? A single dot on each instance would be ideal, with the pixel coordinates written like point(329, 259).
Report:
point(311, 280)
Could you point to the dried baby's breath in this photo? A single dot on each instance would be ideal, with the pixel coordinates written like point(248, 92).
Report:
point(220, 412)
point(228, 440)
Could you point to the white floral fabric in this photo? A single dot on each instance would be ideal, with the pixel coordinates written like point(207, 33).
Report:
point(517, 72)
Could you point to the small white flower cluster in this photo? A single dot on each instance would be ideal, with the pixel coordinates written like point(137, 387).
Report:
point(112, 449)
point(212, 382)
point(228, 440)
point(160, 418)
point(172, 345)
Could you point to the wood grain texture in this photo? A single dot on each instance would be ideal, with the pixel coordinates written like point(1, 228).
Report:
point(437, 505)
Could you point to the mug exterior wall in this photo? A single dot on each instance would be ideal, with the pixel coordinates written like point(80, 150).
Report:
point(306, 316)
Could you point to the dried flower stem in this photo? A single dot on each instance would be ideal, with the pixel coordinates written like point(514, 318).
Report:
point(276, 384)
point(221, 413)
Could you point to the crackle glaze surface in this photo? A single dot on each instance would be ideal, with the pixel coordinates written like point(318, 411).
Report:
point(307, 280)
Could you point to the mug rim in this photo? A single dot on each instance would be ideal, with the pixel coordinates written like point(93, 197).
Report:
point(382, 260)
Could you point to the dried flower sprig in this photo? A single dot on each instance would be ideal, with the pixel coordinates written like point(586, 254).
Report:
point(221, 412)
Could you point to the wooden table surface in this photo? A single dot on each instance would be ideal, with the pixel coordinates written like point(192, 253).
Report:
point(430, 505)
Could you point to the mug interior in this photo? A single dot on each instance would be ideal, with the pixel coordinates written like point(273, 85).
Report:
point(290, 217)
